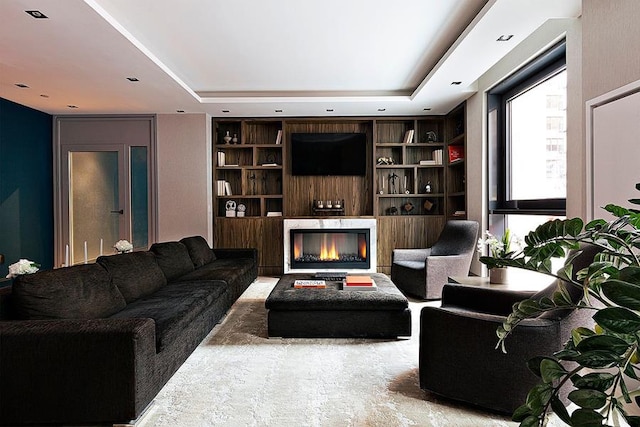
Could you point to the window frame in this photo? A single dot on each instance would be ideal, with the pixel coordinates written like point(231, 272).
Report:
point(545, 66)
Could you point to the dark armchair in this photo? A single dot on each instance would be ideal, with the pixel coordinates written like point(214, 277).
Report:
point(423, 272)
point(458, 356)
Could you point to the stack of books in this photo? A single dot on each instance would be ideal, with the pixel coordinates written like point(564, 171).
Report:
point(408, 137)
point(223, 187)
point(359, 283)
point(309, 284)
point(456, 153)
point(436, 160)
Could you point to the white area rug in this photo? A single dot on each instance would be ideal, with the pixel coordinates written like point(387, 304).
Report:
point(239, 377)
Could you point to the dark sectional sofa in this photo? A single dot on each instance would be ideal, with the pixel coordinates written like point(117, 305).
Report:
point(95, 343)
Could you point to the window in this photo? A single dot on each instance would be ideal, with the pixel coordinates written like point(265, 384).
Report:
point(527, 125)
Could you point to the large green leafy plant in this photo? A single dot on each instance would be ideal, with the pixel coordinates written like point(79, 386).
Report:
point(605, 361)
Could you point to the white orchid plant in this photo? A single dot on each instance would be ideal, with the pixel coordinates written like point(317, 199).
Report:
point(23, 266)
point(505, 247)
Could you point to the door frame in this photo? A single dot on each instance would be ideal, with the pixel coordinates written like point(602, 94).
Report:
point(91, 135)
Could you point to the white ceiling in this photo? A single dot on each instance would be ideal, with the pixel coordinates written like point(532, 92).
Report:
point(252, 57)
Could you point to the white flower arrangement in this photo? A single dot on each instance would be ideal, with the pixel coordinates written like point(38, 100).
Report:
point(23, 266)
point(123, 246)
point(500, 248)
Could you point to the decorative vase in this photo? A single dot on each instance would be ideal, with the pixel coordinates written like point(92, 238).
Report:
point(499, 276)
point(235, 138)
point(227, 138)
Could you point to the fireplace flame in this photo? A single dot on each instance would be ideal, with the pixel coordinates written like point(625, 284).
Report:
point(328, 250)
point(363, 247)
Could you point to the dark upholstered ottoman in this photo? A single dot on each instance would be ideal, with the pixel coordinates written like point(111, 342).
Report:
point(334, 313)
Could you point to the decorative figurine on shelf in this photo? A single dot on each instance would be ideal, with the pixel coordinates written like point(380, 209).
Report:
point(432, 136)
point(241, 209)
point(337, 204)
point(226, 138)
point(406, 188)
point(252, 178)
point(235, 138)
point(428, 205)
point(427, 188)
point(319, 204)
point(230, 207)
point(407, 207)
point(392, 183)
point(392, 210)
point(385, 161)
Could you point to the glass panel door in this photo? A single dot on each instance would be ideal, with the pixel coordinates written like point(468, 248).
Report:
point(96, 202)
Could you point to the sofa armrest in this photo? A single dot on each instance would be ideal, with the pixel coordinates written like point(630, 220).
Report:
point(76, 371)
point(236, 253)
point(482, 299)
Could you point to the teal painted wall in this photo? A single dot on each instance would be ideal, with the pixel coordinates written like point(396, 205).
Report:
point(26, 185)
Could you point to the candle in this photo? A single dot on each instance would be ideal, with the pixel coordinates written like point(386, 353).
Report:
point(85, 251)
point(66, 256)
point(101, 242)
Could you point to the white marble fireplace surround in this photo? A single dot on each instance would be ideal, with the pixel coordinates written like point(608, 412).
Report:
point(330, 223)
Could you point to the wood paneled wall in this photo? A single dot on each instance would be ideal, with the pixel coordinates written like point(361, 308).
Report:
point(300, 191)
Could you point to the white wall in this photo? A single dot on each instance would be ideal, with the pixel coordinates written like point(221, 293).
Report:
point(184, 176)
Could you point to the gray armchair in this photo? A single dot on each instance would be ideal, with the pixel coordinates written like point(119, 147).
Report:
point(458, 357)
point(423, 272)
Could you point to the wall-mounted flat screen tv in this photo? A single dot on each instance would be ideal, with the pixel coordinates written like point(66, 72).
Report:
point(329, 154)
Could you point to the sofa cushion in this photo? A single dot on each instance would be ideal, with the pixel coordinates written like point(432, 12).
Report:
point(174, 307)
point(136, 274)
point(199, 250)
point(173, 259)
point(238, 273)
point(79, 292)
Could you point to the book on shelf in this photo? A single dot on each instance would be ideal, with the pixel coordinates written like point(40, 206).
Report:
point(270, 164)
point(309, 284)
point(408, 136)
point(221, 158)
point(456, 153)
point(359, 283)
point(223, 188)
point(428, 162)
point(459, 213)
point(274, 213)
point(279, 137)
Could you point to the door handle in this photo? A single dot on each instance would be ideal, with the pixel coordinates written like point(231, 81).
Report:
point(121, 212)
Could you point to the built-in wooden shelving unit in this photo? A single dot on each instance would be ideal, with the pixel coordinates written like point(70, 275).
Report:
point(410, 185)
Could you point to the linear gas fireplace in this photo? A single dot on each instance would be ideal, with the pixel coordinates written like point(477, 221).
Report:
point(325, 245)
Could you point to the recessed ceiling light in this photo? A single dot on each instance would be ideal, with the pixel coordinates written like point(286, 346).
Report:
point(504, 38)
point(132, 79)
point(22, 85)
point(179, 111)
point(72, 106)
point(329, 110)
point(37, 14)
point(382, 109)
point(456, 83)
point(225, 111)
point(426, 109)
point(44, 95)
point(278, 111)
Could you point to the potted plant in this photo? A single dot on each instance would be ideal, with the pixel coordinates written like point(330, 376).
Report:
point(505, 247)
point(604, 361)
